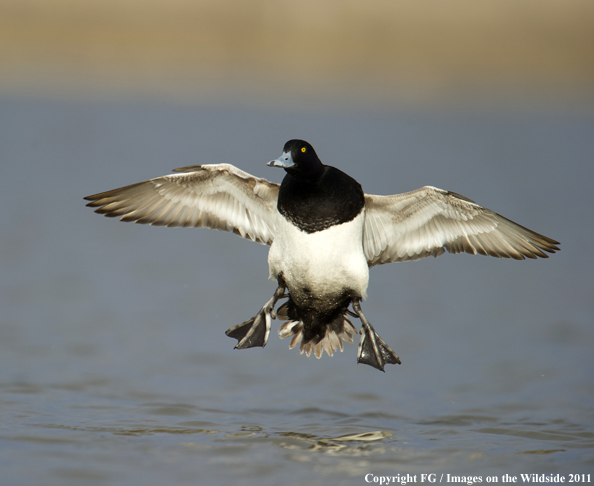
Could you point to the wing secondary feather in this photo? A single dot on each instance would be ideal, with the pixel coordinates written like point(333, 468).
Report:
point(215, 196)
point(430, 221)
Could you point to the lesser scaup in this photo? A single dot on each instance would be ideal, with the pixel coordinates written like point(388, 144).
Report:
point(324, 234)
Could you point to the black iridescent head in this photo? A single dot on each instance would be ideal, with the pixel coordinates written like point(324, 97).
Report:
point(300, 160)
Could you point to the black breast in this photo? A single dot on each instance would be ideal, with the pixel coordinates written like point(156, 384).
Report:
point(333, 199)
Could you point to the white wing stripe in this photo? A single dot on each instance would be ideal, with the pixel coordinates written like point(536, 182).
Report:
point(217, 196)
point(429, 221)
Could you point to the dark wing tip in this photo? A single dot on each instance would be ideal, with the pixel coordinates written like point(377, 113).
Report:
point(539, 243)
point(96, 200)
point(553, 245)
point(113, 192)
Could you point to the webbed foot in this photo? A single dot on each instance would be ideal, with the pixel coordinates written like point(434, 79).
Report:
point(373, 351)
point(255, 331)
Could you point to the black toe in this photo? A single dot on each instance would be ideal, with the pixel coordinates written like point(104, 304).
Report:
point(368, 355)
point(250, 333)
point(373, 351)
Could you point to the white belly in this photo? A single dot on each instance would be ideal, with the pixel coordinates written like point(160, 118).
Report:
point(322, 264)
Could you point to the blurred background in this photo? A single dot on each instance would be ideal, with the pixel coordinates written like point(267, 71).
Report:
point(114, 365)
point(306, 51)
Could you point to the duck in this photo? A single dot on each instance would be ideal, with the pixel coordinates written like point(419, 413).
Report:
point(324, 235)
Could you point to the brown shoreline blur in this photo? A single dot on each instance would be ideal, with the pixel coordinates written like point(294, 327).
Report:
point(387, 51)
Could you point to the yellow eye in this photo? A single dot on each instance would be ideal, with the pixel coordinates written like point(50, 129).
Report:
point(303, 149)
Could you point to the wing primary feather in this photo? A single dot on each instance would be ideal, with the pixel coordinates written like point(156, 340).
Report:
point(216, 196)
point(430, 221)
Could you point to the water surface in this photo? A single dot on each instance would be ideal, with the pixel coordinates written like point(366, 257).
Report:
point(114, 366)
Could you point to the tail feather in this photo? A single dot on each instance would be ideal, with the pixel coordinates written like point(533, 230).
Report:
point(336, 331)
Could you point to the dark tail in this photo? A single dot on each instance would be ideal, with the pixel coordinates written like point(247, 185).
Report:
point(314, 333)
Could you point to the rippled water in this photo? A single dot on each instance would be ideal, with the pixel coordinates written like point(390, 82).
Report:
point(114, 366)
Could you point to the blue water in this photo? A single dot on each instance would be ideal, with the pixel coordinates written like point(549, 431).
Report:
point(114, 365)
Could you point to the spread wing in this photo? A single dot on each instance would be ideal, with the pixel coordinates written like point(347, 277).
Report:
point(214, 196)
point(430, 221)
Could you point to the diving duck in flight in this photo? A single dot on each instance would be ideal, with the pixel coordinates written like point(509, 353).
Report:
point(324, 234)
